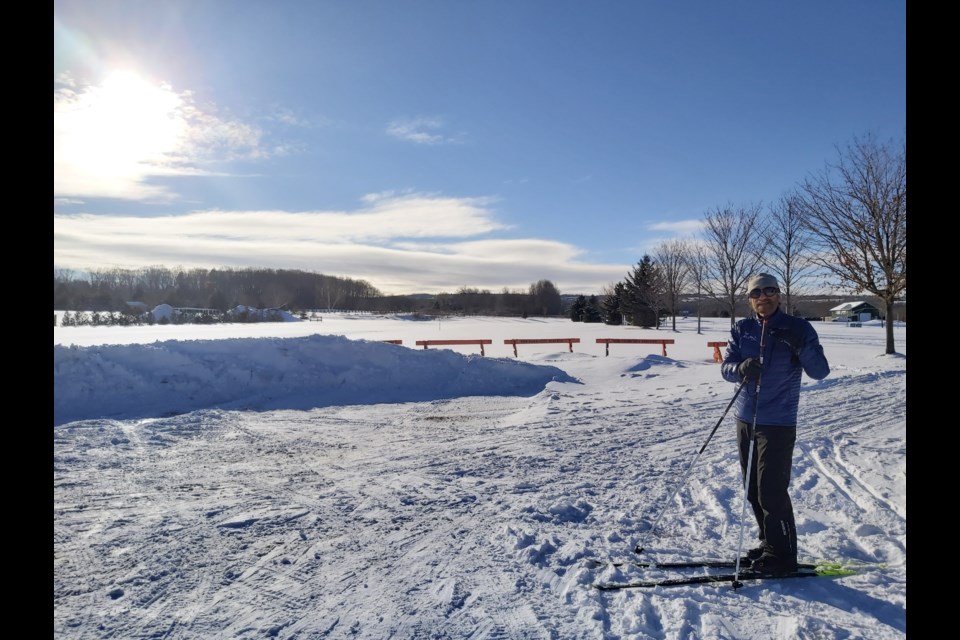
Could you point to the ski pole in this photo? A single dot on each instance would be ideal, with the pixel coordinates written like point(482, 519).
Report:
point(751, 434)
point(640, 546)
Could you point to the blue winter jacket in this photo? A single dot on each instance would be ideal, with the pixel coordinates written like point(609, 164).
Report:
point(791, 346)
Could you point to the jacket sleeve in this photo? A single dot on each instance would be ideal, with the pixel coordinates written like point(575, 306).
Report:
point(811, 356)
point(732, 358)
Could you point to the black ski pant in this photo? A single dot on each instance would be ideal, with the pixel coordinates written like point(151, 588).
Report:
point(769, 480)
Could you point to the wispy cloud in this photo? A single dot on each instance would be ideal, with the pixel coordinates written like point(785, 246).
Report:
point(400, 243)
point(685, 230)
point(67, 201)
point(679, 227)
point(422, 130)
point(287, 116)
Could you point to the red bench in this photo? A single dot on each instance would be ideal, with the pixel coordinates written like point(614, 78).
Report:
point(516, 341)
point(717, 356)
point(609, 341)
point(393, 341)
point(427, 343)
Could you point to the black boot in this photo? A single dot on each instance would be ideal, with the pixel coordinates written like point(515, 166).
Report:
point(752, 555)
point(772, 564)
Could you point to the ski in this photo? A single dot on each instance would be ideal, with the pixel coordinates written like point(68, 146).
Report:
point(831, 570)
point(690, 564)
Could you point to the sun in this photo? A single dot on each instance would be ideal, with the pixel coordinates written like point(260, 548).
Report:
point(138, 122)
point(123, 128)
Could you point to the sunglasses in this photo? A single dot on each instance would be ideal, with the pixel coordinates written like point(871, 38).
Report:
point(767, 291)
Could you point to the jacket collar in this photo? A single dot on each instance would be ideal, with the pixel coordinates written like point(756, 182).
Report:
point(773, 319)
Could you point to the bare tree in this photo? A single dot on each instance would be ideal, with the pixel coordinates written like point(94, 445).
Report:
point(156, 279)
point(331, 293)
point(856, 211)
point(63, 275)
point(674, 267)
point(788, 251)
point(697, 259)
point(546, 297)
point(734, 249)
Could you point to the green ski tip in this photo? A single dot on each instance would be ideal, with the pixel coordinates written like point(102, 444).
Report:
point(833, 569)
point(844, 568)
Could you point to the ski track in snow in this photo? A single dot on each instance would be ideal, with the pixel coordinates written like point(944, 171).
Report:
point(469, 517)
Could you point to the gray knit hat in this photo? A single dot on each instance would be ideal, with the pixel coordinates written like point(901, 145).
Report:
point(760, 281)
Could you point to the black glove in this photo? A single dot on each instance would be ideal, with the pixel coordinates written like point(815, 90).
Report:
point(794, 341)
point(750, 369)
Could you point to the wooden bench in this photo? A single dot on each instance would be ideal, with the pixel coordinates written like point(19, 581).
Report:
point(717, 356)
point(427, 343)
point(609, 341)
point(516, 341)
point(393, 341)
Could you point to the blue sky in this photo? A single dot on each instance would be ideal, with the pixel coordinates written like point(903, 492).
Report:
point(428, 145)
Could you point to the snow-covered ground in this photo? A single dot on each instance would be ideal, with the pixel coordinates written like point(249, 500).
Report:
point(307, 480)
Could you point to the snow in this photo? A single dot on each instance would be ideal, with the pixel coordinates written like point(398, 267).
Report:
point(308, 480)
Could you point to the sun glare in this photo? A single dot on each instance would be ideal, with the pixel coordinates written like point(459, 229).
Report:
point(125, 125)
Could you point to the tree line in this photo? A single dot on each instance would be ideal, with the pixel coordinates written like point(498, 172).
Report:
point(108, 292)
point(218, 289)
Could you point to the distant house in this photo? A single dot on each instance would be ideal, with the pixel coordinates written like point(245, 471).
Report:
point(164, 313)
point(854, 312)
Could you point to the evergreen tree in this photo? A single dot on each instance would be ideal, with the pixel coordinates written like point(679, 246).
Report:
point(578, 308)
point(592, 311)
point(611, 309)
point(641, 291)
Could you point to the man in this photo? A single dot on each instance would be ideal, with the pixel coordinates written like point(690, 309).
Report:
point(767, 354)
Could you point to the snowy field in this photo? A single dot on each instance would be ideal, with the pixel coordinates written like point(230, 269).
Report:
point(308, 480)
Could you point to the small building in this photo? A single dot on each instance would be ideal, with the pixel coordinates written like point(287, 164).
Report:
point(164, 313)
point(854, 312)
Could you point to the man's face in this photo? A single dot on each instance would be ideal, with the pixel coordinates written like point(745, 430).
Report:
point(764, 301)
